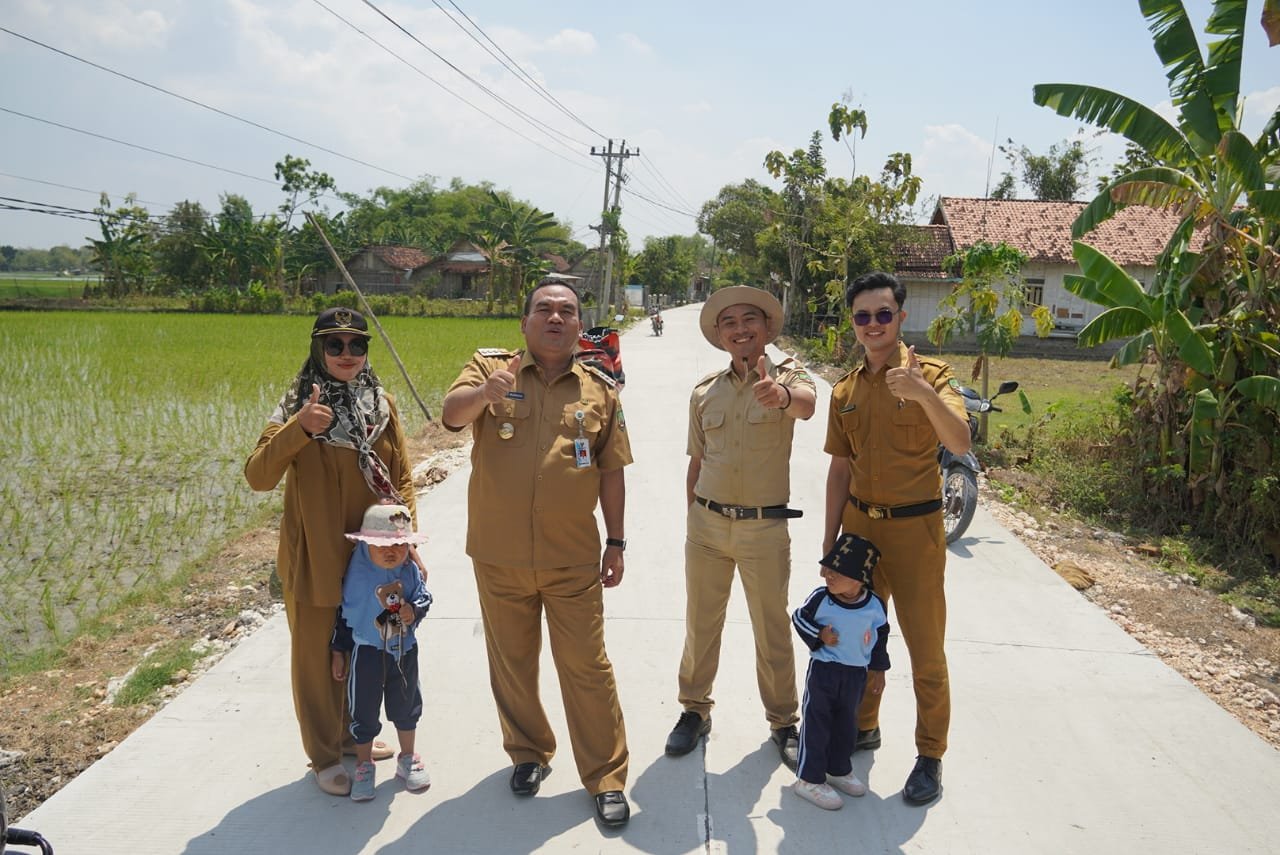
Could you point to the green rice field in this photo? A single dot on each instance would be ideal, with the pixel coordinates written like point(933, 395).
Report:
point(24, 287)
point(124, 437)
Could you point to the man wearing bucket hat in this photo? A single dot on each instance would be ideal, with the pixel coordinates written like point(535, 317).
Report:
point(741, 421)
point(550, 444)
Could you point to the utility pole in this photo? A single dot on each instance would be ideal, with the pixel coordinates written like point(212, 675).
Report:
point(609, 155)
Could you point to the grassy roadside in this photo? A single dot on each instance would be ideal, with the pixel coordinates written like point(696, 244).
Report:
point(1047, 458)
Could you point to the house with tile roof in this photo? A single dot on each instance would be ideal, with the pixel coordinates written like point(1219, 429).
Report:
point(1132, 238)
point(380, 270)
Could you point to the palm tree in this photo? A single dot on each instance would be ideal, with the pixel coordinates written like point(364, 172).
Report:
point(1208, 318)
point(523, 233)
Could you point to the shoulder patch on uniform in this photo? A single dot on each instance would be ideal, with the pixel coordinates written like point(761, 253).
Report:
point(601, 373)
point(954, 384)
point(495, 351)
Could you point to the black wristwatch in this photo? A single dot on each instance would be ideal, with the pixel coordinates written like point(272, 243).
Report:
point(615, 541)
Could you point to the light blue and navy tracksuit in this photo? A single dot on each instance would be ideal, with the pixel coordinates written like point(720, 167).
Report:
point(380, 669)
point(836, 677)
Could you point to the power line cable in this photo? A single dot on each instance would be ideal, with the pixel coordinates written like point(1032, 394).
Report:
point(201, 104)
point(140, 147)
point(71, 187)
point(544, 127)
point(652, 167)
point(431, 79)
point(521, 74)
point(660, 204)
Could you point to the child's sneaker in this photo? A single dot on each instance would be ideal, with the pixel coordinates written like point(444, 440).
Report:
point(820, 794)
point(848, 784)
point(409, 767)
point(362, 786)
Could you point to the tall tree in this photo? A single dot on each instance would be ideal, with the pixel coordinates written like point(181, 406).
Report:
point(1056, 175)
point(123, 253)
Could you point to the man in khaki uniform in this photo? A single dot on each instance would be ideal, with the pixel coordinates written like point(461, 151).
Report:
point(887, 417)
point(550, 441)
point(741, 420)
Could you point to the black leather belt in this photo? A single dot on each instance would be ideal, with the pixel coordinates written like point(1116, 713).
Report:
point(739, 512)
point(879, 512)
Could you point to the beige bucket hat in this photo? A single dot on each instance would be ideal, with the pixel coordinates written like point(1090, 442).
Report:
point(733, 296)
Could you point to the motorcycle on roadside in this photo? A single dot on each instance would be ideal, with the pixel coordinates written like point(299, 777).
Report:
point(656, 320)
point(10, 836)
point(960, 474)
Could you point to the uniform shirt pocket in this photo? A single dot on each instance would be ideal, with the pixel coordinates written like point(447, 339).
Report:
point(713, 431)
point(851, 426)
point(592, 423)
point(912, 431)
point(764, 428)
point(509, 422)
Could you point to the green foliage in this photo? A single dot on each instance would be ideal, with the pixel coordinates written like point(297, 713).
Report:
point(1056, 175)
point(989, 300)
point(156, 671)
point(1204, 426)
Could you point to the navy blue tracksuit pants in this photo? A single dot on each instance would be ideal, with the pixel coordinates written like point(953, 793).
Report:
point(376, 675)
point(829, 719)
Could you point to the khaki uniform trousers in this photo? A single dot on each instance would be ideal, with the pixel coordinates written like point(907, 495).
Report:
point(318, 699)
point(761, 550)
point(913, 558)
point(512, 600)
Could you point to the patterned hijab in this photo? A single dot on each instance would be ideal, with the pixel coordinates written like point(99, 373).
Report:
point(360, 415)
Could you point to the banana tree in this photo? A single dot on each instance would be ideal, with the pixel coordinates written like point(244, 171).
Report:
point(1209, 316)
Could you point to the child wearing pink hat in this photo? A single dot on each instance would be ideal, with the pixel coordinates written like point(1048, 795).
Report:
point(383, 597)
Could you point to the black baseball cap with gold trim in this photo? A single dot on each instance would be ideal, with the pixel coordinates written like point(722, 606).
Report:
point(340, 319)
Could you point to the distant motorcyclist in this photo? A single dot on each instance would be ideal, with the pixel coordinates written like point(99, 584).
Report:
point(656, 320)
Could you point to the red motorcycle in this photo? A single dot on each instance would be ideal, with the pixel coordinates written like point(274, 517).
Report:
point(656, 320)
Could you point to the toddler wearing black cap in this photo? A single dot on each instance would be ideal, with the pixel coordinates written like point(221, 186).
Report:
point(847, 631)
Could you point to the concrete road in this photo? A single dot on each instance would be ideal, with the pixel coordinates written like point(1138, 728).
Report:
point(1067, 735)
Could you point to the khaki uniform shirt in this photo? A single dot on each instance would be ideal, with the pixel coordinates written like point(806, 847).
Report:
point(529, 504)
point(745, 448)
point(891, 444)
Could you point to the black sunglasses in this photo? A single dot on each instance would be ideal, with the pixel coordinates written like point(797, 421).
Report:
point(883, 316)
point(356, 347)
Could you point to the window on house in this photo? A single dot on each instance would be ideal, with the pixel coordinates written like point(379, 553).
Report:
point(1034, 291)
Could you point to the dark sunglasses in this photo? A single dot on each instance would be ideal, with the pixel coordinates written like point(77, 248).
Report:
point(882, 316)
point(356, 347)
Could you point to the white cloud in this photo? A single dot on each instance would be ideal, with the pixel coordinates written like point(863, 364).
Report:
point(636, 45)
point(696, 107)
point(953, 161)
point(1258, 107)
point(117, 24)
point(572, 41)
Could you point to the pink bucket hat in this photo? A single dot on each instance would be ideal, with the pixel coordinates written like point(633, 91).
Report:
point(387, 525)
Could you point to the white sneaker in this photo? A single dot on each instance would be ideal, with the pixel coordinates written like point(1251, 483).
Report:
point(848, 784)
point(409, 767)
point(820, 794)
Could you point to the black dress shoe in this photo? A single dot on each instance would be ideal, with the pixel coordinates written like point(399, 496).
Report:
point(788, 741)
point(526, 778)
point(924, 784)
point(612, 808)
point(685, 735)
point(867, 740)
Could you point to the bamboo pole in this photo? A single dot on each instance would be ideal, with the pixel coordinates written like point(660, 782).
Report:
point(368, 311)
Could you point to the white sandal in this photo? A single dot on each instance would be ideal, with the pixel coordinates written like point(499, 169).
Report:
point(334, 780)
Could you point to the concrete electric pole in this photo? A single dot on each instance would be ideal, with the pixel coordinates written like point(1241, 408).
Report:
point(608, 297)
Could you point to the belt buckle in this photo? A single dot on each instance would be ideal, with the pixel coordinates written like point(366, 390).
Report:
point(728, 510)
point(876, 513)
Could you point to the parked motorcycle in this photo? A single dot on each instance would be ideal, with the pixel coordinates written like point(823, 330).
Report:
point(10, 836)
point(656, 320)
point(960, 474)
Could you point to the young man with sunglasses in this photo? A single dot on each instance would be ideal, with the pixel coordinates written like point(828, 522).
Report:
point(886, 419)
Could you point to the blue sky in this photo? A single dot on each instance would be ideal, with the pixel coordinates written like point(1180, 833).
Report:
point(704, 90)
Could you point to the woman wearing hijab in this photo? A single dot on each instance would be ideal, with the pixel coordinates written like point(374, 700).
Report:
point(336, 439)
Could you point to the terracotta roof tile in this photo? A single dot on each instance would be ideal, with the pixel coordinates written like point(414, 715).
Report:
point(401, 257)
point(1134, 236)
point(921, 252)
